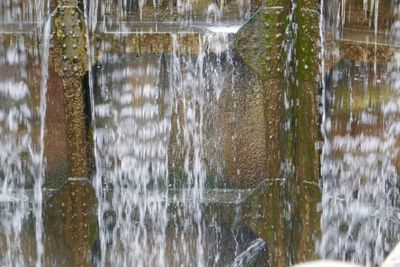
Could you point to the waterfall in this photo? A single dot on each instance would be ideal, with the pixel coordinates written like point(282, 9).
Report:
point(121, 13)
point(132, 146)
point(338, 13)
point(22, 130)
point(40, 160)
point(360, 154)
point(150, 108)
point(17, 13)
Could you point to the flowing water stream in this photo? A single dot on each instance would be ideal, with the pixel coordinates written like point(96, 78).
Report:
point(23, 91)
point(144, 104)
point(166, 98)
point(360, 155)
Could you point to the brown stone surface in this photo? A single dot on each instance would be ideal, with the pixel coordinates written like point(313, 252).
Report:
point(68, 66)
point(56, 150)
point(70, 224)
point(141, 44)
point(265, 57)
point(69, 215)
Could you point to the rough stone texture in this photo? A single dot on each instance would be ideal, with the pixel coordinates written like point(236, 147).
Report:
point(292, 132)
point(242, 114)
point(71, 224)
point(358, 40)
point(56, 152)
point(140, 44)
point(67, 68)
point(359, 51)
point(305, 160)
point(69, 218)
point(266, 58)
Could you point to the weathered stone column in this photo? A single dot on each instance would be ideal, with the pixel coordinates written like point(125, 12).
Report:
point(304, 193)
point(69, 215)
point(260, 45)
point(68, 59)
point(286, 60)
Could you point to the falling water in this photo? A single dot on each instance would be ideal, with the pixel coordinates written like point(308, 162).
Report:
point(40, 160)
point(147, 214)
point(125, 13)
point(132, 146)
point(14, 143)
point(17, 14)
point(338, 13)
point(22, 131)
point(360, 155)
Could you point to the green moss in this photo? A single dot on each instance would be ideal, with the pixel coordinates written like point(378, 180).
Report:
point(93, 231)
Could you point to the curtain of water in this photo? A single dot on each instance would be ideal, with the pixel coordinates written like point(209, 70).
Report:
point(132, 147)
point(19, 12)
point(14, 114)
point(147, 104)
point(359, 167)
point(40, 160)
point(117, 13)
point(337, 11)
point(22, 130)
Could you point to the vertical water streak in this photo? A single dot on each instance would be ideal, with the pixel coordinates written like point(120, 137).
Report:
point(22, 163)
point(143, 104)
point(132, 162)
point(359, 161)
point(92, 14)
point(40, 160)
point(14, 114)
point(322, 28)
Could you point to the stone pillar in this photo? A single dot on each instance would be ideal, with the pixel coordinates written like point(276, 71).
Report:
point(303, 190)
point(69, 62)
point(286, 60)
point(70, 223)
